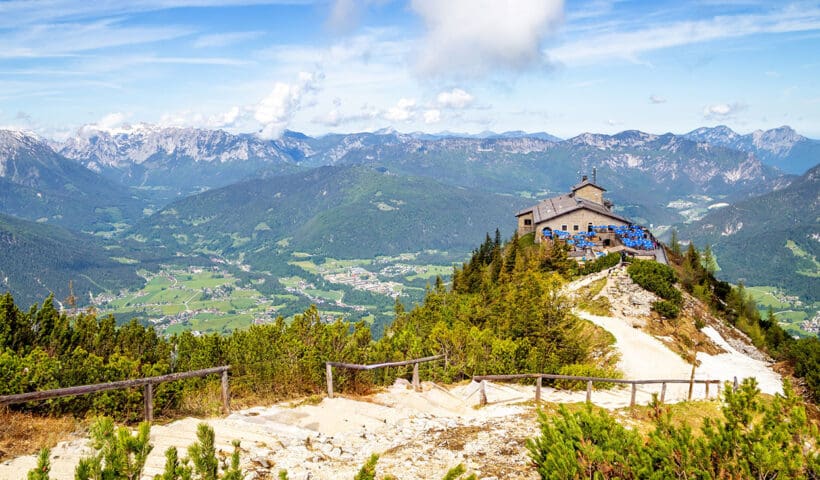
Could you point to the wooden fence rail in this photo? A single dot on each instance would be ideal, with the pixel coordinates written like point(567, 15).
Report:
point(147, 383)
point(590, 380)
point(354, 366)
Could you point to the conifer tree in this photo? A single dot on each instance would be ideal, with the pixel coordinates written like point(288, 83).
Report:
point(41, 471)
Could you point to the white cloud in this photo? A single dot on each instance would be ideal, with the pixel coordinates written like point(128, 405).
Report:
point(455, 98)
point(656, 99)
point(469, 37)
point(275, 111)
point(112, 120)
point(432, 116)
point(629, 45)
point(217, 40)
point(722, 110)
point(403, 111)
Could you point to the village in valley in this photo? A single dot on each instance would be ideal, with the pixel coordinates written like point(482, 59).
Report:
point(215, 298)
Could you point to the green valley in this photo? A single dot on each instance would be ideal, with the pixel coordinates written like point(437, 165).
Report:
point(224, 296)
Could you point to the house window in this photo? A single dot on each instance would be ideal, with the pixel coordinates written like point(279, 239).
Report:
point(527, 221)
point(564, 228)
point(589, 227)
point(575, 228)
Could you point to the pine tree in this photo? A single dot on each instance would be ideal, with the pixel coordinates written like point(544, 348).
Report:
point(674, 244)
point(40, 472)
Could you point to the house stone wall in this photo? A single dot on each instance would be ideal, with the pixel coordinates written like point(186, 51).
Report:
point(581, 217)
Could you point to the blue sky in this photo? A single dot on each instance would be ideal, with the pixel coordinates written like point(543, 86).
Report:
point(419, 65)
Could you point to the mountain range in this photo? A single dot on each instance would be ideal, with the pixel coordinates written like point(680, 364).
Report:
point(644, 172)
point(190, 191)
point(779, 147)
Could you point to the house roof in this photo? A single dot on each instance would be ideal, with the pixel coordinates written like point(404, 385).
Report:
point(563, 204)
point(586, 182)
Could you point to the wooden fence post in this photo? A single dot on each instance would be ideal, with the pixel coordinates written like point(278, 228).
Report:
point(329, 376)
point(663, 392)
point(226, 394)
point(416, 383)
point(482, 399)
point(149, 402)
point(735, 385)
point(634, 391)
point(692, 378)
point(538, 382)
point(707, 390)
point(589, 391)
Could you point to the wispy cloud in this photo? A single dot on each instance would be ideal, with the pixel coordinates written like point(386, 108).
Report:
point(14, 13)
point(629, 45)
point(217, 40)
point(655, 99)
point(65, 39)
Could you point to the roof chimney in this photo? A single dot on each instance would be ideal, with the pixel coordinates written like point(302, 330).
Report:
point(583, 178)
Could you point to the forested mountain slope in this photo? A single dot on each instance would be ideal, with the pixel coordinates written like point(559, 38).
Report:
point(772, 239)
point(353, 212)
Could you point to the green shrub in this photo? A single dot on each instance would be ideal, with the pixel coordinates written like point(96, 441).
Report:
point(202, 454)
point(584, 370)
point(119, 454)
point(600, 264)
point(666, 308)
point(40, 472)
point(657, 278)
point(753, 439)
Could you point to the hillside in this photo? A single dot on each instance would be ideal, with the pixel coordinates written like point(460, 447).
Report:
point(350, 212)
point(37, 259)
point(769, 239)
point(38, 184)
point(420, 435)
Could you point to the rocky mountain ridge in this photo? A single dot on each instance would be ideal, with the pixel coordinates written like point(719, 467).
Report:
point(781, 147)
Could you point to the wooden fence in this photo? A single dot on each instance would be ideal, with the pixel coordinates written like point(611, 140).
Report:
point(590, 380)
point(353, 366)
point(147, 383)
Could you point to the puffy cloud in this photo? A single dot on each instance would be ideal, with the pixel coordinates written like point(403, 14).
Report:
point(656, 99)
point(275, 111)
point(476, 36)
point(722, 110)
point(402, 111)
point(455, 98)
point(432, 116)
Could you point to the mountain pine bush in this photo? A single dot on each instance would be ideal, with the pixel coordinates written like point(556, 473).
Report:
point(754, 439)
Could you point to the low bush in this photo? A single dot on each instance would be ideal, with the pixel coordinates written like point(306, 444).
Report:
point(754, 439)
point(582, 370)
point(657, 278)
point(666, 309)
